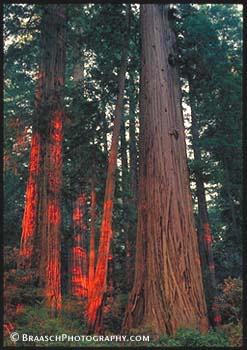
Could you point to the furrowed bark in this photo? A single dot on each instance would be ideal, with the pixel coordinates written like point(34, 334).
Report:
point(78, 274)
point(42, 217)
point(168, 290)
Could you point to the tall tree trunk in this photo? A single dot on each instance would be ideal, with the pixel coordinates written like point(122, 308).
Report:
point(132, 141)
point(97, 297)
point(204, 234)
point(29, 222)
point(133, 183)
point(92, 235)
point(168, 290)
point(42, 217)
point(79, 279)
point(125, 199)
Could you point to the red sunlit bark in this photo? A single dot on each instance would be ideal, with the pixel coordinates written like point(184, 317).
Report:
point(29, 221)
point(40, 241)
point(91, 271)
point(53, 284)
point(95, 303)
point(79, 278)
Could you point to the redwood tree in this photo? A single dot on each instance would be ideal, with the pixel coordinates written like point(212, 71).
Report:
point(40, 240)
point(78, 273)
point(168, 291)
point(96, 300)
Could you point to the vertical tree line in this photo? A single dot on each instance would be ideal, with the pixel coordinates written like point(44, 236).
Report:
point(111, 198)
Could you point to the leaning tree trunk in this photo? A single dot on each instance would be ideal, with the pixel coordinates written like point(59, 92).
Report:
point(204, 234)
point(95, 304)
point(42, 216)
point(168, 291)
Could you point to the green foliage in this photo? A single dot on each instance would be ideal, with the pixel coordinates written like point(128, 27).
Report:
point(192, 337)
point(36, 321)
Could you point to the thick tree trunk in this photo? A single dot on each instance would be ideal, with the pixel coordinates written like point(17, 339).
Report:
point(42, 217)
point(168, 291)
point(204, 234)
point(79, 279)
point(29, 222)
point(96, 302)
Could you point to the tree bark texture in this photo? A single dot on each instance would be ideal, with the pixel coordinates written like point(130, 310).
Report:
point(100, 281)
point(168, 290)
point(92, 252)
point(42, 216)
point(79, 277)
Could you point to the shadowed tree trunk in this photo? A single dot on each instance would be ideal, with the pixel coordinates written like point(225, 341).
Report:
point(168, 290)
point(125, 199)
point(204, 234)
point(230, 198)
point(133, 184)
point(95, 304)
point(42, 216)
point(132, 141)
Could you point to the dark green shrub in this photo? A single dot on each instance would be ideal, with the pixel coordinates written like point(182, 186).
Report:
point(192, 337)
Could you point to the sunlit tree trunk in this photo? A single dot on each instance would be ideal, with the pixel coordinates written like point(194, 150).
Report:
point(92, 252)
point(42, 216)
point(95, 304)
point(78, 274)
point(168, 290)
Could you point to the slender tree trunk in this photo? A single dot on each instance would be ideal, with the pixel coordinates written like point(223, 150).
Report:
point(133, 185)
point(42, 217)
point(204, 234)
point(92, 235)
point(125, 199)
point(168, 289)
point(132, 142)
point(79, 279)
point(95, 303)
point(229, 194)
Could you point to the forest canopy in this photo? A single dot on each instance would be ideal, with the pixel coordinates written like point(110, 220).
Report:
point(122, 171)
